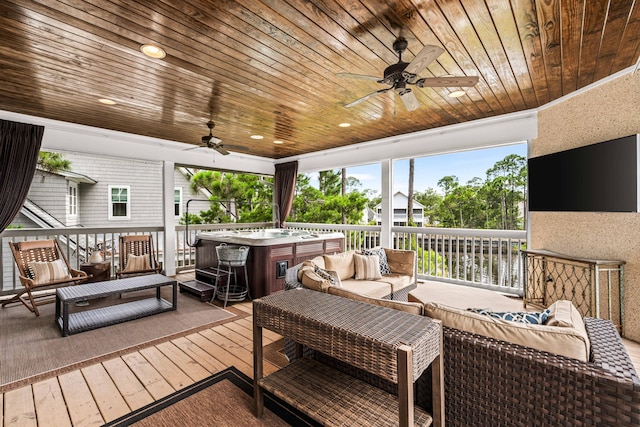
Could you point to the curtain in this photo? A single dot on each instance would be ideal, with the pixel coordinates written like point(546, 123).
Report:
point(284, 188)
point(19, 148)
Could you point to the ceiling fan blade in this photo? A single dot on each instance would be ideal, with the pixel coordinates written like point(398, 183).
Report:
point(194, 148)
point(426, 56)
point(364, 98)
point(235, 147)
point(460, 81)
point(358, 76)
point(409, 99)
point(220, 149)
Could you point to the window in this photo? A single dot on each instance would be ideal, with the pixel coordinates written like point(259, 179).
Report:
point(119, 202)
point(72, 199)
point(177, 202)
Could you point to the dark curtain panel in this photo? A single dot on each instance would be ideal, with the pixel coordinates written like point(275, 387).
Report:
point(284, 188)
point(19, 148)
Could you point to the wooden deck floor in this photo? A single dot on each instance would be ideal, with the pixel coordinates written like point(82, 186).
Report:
point(105, 391)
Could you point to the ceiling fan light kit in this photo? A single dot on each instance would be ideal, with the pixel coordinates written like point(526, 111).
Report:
point(401, 74)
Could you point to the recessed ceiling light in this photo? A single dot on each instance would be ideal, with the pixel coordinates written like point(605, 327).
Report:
point(153, 51)
point(256, 136)
point(277, 141)
point(457, 93)
point(344, 125)
point(107, 101)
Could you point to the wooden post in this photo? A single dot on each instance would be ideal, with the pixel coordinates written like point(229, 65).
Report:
point(258, 396)
point(405, 386)
point(437, 384)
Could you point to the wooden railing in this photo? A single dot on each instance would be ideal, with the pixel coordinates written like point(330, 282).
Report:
point(480, 258)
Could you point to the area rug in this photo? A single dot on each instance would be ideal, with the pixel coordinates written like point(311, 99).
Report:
point(224, 399)
point(31, 346)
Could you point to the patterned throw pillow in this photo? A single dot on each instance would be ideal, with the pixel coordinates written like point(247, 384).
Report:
point(44, 272)
point(533, 318)
point(367, 267)
point(329, 275)
point(137, 263)
point(382, 255)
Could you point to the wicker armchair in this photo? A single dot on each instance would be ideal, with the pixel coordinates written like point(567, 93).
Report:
point(489, 382)
point(136, 256)
point(41, 251)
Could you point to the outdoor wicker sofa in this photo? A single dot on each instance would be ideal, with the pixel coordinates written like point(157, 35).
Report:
point(489, 382)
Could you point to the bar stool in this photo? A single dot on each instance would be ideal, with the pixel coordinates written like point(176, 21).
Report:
point(230, 258)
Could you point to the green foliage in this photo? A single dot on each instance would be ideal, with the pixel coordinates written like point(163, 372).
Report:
point(193, 219)
point(53, 162)
point(492, 203)
point(235, 197)
point(327, 205)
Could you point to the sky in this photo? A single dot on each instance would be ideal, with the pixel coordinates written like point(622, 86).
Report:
point(466, 165)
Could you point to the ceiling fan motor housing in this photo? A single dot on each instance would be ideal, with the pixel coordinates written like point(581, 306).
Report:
point(393, 73)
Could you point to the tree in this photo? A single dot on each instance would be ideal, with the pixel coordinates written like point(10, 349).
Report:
point(508, 178)
point(52, 162)
point(235, 197)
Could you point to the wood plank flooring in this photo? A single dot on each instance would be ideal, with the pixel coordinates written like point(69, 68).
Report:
point(105, 391)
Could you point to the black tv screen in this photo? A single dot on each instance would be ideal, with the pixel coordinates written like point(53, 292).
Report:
point(601, 177)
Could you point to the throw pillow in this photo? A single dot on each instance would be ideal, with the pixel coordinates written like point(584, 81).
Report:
point(382, 255)
point(44, 272)
point(137, 263)
point(331, 276)
point(367, 267)
point(533, 318)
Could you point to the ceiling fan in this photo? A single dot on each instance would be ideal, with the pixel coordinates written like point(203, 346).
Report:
point(401, 74)
point(215, 143)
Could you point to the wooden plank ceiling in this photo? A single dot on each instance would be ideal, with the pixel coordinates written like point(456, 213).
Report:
point(269, 67)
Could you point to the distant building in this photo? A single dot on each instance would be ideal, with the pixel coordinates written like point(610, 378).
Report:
point(400, 202)
point(102, 191)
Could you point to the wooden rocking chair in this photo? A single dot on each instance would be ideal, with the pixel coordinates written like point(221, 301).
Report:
point(136, 256)
point(42, 265)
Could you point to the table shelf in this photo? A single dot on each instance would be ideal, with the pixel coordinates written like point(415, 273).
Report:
point(111, 315)
point(340, 402)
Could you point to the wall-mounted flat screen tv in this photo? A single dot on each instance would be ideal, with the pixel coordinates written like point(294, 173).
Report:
point(600, 177)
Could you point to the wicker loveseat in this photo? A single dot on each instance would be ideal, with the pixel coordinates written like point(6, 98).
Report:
point(395, 285)
point(489, 382)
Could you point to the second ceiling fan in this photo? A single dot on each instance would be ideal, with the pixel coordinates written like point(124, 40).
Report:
point(402, 74)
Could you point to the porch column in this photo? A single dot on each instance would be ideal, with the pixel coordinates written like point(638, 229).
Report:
point(168, 194)
point(386, 190)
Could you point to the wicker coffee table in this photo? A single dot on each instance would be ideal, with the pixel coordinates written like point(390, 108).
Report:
point(71, 323)
point(391, 344)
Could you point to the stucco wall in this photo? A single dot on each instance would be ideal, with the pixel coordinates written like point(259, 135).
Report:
point(609, 111)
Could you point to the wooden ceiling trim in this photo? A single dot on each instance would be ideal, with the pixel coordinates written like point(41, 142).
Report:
point(630, 46)
point(613, 31)
point(482, 23)
point(594, 14)
point(550, 25)
point(571, 20)
point(489, 86)
point(526, 20)
point(224, 46)
point(509, 37)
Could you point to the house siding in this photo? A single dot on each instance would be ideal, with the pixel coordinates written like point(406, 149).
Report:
point(143, 178)
point(49, 194)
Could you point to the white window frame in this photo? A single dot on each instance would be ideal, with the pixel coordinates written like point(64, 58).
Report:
point(179, 202)
point(72, 199)
point(110, 202)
